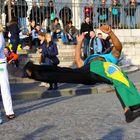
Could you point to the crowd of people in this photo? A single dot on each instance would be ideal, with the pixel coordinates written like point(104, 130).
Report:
point(97, 52)
point(35, 39)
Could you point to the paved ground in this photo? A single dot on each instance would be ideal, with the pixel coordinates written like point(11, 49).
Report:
point(87, 117)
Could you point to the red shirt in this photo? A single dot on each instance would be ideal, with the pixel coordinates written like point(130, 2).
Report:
point(12, 56)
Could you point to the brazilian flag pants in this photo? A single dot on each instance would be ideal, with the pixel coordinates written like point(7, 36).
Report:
point(90, 74)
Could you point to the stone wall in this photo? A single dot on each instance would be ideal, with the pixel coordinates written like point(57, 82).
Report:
point(131, 44)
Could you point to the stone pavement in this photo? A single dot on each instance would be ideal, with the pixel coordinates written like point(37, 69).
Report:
point(66, 116)
point(31, 90)
point(87, 117)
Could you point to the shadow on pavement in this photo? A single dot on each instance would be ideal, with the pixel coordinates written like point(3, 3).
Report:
point(116, 134)
point(35, 106)
point(38, 132)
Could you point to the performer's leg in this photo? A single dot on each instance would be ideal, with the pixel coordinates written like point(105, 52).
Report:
point(63, 75)
point(126, 91)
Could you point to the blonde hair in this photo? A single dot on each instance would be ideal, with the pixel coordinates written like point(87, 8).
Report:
point(1, 28)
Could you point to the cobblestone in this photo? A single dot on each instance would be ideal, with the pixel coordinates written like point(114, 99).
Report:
point(87, 117)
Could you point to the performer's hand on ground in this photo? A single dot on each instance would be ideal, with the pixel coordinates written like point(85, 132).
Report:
point(106, 29)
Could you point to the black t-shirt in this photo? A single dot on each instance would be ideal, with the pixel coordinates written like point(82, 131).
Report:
point(85, 27)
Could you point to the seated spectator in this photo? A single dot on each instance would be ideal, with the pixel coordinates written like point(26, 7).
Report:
point(106, 43)
point(11, 56)
point(71, 32)
point(34, 34)
point(24, 39)
point(95, 44)
point(56, 30)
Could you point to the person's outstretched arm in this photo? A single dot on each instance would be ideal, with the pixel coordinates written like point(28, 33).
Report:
point(78, 60)
point(117, 46)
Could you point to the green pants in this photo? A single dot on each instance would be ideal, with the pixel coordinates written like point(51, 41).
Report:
point(124, 87)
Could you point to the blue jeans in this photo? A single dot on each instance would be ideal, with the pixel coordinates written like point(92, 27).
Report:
point(22, 24)
point(59, 35)
point(86, 47)
point(131, 22)
point(14, 43)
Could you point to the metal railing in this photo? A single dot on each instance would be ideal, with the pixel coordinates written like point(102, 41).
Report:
point(76, 12)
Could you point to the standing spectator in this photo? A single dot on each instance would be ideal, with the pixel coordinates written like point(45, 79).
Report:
point(20, 10)
point(11, 10)
point(14, 33)
point(65, 15)
point(102, 13)
point(130, 10)
point(4, 81)
point(71, 32)
point(86, 27)
point(43, 15)
point(95, 44)
point(115, 13)
point(51, 12)
point(34, 13)
point(42, 12)
point(49, 56)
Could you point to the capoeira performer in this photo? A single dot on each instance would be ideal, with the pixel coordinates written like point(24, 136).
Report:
point(97, 68)
point(4, 81)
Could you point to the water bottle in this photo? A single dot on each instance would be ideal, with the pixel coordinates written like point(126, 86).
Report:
point(1, 118)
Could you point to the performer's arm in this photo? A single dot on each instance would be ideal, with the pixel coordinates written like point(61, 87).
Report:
point(78, 60)
point(116, 51)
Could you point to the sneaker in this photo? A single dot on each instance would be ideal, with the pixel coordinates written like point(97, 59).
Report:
point(46, 85)
point(43, 84)
point(131, 116)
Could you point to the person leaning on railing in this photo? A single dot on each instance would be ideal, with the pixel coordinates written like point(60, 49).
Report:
point(130, 10)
